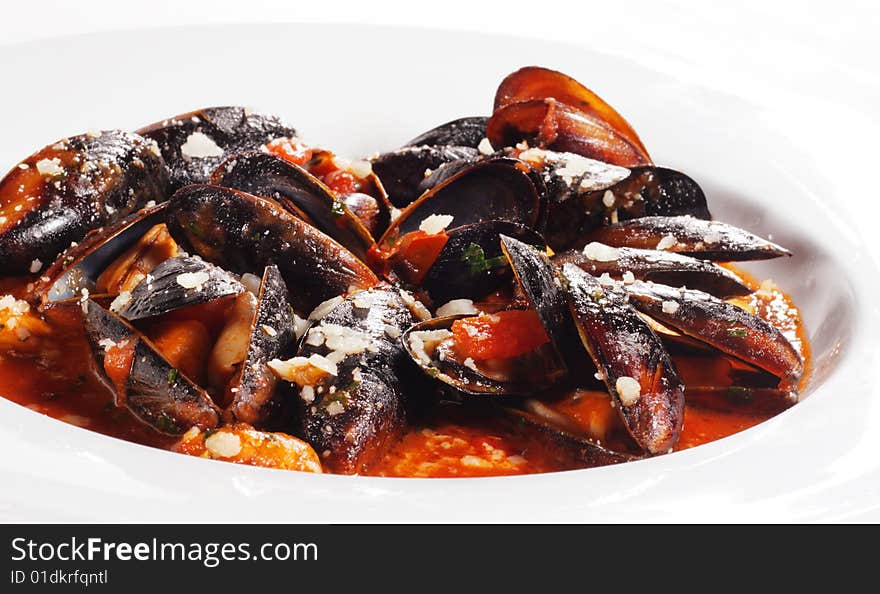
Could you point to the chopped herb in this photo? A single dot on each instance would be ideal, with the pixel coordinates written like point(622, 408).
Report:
point(338, 208)
point(196, 230)
point(476, 259)
point(736, 332)
point(432, 371)
point(739, 393)
point(166, 424)
point(256, 236)
point(172, 375)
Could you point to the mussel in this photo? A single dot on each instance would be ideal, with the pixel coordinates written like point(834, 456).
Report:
point(631, 360)
point(55, 196)
point(551, 110)
point(403, 170)
point(467, 131)
point(349, 369)
point(293, 187)
point(141, 378)
point(243, 233)
point(194, 143)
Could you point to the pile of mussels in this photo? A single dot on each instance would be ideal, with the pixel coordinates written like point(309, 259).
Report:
point(329, 269)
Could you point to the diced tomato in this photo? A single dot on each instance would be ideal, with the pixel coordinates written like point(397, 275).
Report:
point(185, 344)
point(411, 256)
point(287, 149)
point(342, 182)
point(117, 364)
point(501, 335)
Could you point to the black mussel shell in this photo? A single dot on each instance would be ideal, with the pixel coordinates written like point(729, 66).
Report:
point(57, 195)
point(499, 189)
point(174, 284)
point(699, 238)
point(403, 170)
point(658, 266)
point(262, 174)
point(471, 264)
point(353, 416)
point(194, 143)
point(255, 398)
point(467, 131)
point(80, 266)
point(243, 233)
point(426, 344)
point(631, 360)
point(153, 390)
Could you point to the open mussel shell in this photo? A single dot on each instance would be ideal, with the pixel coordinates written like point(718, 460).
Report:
point(536, 83)
point(536, 276)
point(532, 418)
point(655, 265)
point(471, 264)
point(59, 194)
point(403, 170)
point(571, 130)
point(699, 238)
point(763, 402)
point(262, 174)
point(428, 343)
point(242, 233)
point(80, 266)
point(151, 388)
point(722, 325)
point(174, 284)
point(499, 189)
point(585, 194)
point(468, 131)
point(636, 369)
point(351, 417)
point(194, 143)
point(255, 399)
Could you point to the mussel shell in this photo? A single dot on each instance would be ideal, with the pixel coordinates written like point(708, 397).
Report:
point(92, 180)
point(741, 399)
point(663, 267)
point(537, 277)
point(228, 130)
point(356, 414)
point(455, 273)
point(468, 131)
point(254, 385)
point(541, 371)
point(570, 130)
point(534, 82)
point(245, 233)
point(722, 325)
point(79, 267)
point(625, 349)
point(579, 204)
point(403, 170)
point(562, 440)
point(262, 174)
point(154, 391)
point(499, 189)
point(163, 290)
point(698, 238)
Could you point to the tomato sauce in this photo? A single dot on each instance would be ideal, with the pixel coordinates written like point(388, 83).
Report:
point(52, 374)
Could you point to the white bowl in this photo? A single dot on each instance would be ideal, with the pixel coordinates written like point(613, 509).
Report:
point(362, 89)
